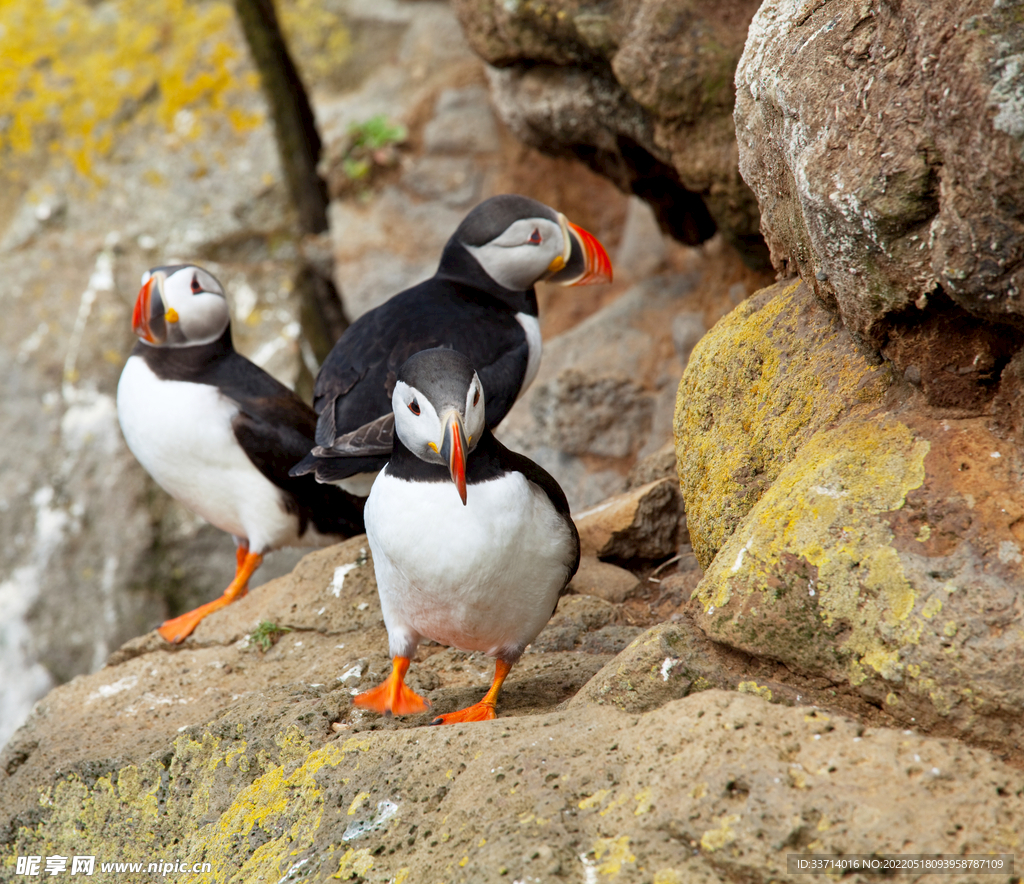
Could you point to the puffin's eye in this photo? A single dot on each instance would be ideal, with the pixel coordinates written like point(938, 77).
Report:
point(535, 237)
point(414, 407)
point(196, 287)
point(476, 396)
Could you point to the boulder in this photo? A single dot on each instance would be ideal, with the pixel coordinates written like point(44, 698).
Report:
point(641, 91)
point(604, 580)
point(639, 525)
point(857, 536)
point(602, 400)
point(769, 375)
point(884, 144)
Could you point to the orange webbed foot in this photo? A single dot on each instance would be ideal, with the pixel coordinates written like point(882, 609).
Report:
point(180, 628)
point(477, 712)
point(394, 696)
point(484, 710)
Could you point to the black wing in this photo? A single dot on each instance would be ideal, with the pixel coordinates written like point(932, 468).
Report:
point(275, 429)
point(355, 383)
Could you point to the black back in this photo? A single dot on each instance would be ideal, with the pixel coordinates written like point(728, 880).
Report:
point(460, 308)
point(274, 427)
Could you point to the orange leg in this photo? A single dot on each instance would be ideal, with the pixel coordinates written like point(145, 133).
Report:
point(394, 696)
point(180, 628)
point(484, 710)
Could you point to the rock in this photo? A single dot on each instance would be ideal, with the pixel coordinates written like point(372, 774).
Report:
point(642, 93)
point(597, 578)
point(687, 329)
point(748, 400)
point(600, 400)
point(859, 538)
point(659, 465)
point(642, 250)
point(266, 790)
point(884, 146)
point(641, 524)
point(462, 123)
point(608, 416)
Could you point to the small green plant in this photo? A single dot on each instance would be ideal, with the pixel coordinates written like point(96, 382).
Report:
point(266, 635)
point(371, 144)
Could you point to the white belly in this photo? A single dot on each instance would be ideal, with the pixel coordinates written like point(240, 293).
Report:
point(481, 577)
point(181, 434)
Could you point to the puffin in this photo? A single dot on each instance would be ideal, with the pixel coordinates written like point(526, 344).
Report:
point(472, 543)
point(481, 302)
point(219, 434)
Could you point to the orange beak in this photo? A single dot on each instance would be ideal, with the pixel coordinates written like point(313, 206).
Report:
point(586, 263)
point(148, 316)
point(453, 450)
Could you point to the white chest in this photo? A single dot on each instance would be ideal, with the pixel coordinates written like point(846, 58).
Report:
point(482, 577)
point(531, 325)
point(181, 434)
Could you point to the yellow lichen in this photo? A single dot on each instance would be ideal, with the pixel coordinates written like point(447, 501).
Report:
point(752, 687)
point(354, 864)
point(826, 508)
point(357, 802)
point(72, 74)
point(765, 379)
point(723, 834)
point(611, 853)
point(594, 800)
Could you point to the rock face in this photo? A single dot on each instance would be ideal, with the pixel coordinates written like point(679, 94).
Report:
point(849, 531)
point(641, 91)
point(884, 144)
point(256, 763)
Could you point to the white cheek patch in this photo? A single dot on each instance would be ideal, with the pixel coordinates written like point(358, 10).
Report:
point(416, 431)
point(515, 263)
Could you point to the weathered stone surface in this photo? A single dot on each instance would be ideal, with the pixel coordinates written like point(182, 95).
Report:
point(885, 147)
point(771, 374)
point(255, 761)
point(739, 784)
point(603, 580)
point(642, 524)
point(641, 91)
point(881, 549)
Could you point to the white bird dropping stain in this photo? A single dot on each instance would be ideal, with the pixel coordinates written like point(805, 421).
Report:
point(339, 578)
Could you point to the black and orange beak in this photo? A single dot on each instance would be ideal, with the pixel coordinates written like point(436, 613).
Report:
point(453, 450)
point(149, 316)
point(584, 261)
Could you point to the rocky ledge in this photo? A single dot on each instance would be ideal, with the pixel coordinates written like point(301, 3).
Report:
point(621, 754)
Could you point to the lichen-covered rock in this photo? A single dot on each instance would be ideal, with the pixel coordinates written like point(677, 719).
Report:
point(884, 144)
point(641, 90)
point(760, 384)
point(716, 786)
point(252, 759)
point(882, 548)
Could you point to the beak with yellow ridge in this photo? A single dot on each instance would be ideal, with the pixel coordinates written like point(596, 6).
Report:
point(583, 260)
point(150, 317)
